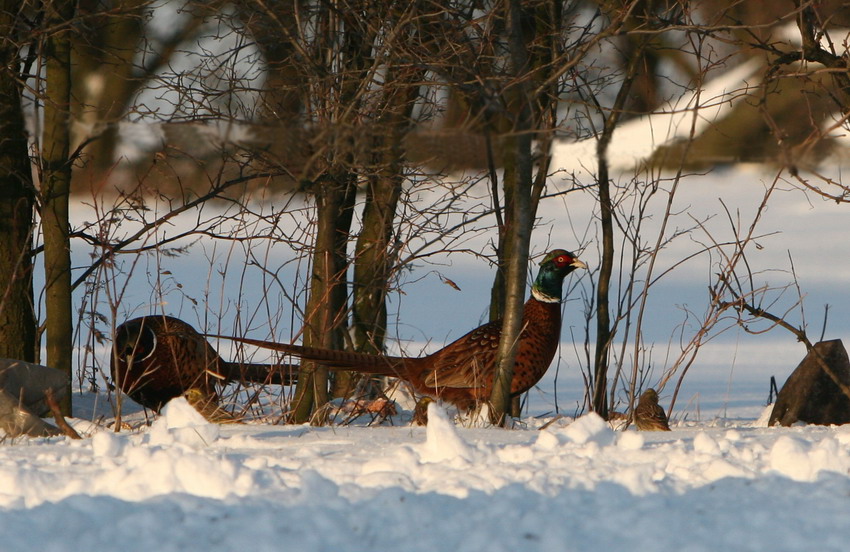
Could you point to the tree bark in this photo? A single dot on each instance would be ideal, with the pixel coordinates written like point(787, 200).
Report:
point(518, 232)
point(326, 306)
point(606, 268)
point(56, 181)
point(105, 80)
point(374, 261)
point(17, 201)
point(604, 332)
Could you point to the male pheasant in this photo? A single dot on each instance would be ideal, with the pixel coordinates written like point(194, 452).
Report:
point(157, 358)
point(649, 415)
point(462, 372)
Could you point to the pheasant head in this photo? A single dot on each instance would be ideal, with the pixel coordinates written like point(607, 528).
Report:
point(555, 266)
point(135, 341)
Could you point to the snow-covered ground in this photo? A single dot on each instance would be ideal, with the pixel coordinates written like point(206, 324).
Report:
point(182, 484)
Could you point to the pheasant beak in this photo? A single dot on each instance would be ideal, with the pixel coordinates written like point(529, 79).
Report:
point(578, 264)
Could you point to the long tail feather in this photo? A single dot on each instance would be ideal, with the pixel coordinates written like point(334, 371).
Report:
point(337, 360)
point(274, 374)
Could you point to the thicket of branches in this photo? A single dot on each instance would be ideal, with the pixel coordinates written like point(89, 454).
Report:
point(369, 137)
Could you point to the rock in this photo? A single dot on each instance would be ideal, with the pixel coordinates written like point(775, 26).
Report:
point(810, 395)
point(16, 419)
point(22, 398)
point(27, 382)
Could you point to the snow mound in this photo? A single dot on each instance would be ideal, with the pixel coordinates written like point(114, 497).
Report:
point(764, 419)
point(330, 488)
point(590, 428)
point(443, 443)
point(803, 460)
point(181, 424)
point(630, 440)
point(108, 444)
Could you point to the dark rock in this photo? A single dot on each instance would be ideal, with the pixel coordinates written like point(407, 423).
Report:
point(27, 382)
point(23, 400)
point(810, 395)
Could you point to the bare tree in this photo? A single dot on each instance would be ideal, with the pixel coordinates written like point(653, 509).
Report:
point(56, 187)
point(17, 199)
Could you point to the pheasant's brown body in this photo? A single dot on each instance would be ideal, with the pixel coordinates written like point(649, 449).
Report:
point(159, 357)
point(462, 372)
point(649, 415)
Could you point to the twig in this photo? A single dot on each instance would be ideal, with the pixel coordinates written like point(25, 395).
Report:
point(740, 304)
point(61, 423)
point(550, 422)
point(825, 319)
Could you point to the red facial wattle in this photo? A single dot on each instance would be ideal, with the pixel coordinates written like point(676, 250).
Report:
point(563, 260)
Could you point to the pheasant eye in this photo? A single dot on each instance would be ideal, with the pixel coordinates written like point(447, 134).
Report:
point(132, 350)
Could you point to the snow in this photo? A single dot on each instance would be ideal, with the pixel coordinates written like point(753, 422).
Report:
point(549, 484)
point(635, 141)
point(181, 424)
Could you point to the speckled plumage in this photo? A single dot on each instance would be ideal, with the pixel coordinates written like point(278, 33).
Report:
point(157, 358)
point(649, 415)
point(462, 372)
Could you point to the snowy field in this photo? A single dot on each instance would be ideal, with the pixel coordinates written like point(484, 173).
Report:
point(183, 484)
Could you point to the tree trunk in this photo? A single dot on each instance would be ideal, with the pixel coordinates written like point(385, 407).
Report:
point(518, 232)
point(56, 180)
point(374, 262)
point(498, 292)
point(372, 269)
point(518, 236)
point(371, 273)
point(105, 83)
point(17, 316)
point(604, 332)
point(535, 45)
point(345, 53)
point(326, 306)
point(603, 322)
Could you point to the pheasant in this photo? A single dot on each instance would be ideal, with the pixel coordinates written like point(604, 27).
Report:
point(157, 358)
point(649, 415)
point(462, 372)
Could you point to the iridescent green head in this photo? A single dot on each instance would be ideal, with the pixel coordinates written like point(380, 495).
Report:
point(553, 269)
